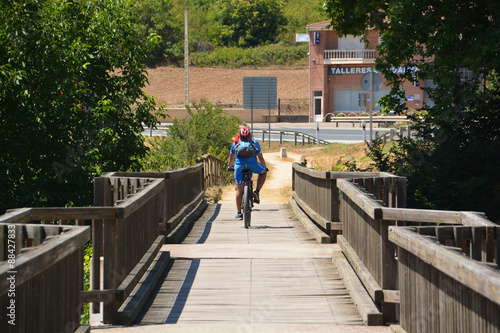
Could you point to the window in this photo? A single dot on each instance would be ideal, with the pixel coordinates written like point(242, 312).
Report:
point(350, 42)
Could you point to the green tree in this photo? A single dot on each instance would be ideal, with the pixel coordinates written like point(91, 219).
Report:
point(300, 13)
point(454, 163)
point(158, 17)
point(247, 22)
point(71, 98)
point(206, 130)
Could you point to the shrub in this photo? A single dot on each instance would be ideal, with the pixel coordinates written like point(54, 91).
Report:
point(234, 57)
point(206, 130)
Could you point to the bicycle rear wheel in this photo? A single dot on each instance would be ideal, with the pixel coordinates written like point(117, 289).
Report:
point(247, 206)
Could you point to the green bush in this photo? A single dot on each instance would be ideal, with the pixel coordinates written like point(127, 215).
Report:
point(234, 57)
point(206, 130)
point(246, 23)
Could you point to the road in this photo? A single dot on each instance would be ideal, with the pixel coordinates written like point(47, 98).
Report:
point(327, 131)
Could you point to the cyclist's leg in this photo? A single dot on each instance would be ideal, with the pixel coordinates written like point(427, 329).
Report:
point(239, 197)
point(238, 178)
point(259, 169)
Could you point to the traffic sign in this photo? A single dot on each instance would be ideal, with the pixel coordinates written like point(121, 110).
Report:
point(365, 82)
point(260, 92)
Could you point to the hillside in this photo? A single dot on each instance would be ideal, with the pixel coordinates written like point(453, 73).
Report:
point(221, 86)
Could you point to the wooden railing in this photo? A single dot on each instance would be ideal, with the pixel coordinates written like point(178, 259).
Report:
point(317, 193)
point(34, 294)
point(372, 206)
point(212, 167)
point(134, 215)
point(449, 278)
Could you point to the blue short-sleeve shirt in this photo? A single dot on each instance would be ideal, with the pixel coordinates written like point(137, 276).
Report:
point(251, 163)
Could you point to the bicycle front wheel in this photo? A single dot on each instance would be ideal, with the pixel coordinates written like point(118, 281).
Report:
point(247, 206)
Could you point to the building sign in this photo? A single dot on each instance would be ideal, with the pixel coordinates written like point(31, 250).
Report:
point(350, 70)
point(301, 38)
point(316, 38)
point(364, 70)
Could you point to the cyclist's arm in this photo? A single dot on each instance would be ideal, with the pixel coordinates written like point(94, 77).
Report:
point(230, 162)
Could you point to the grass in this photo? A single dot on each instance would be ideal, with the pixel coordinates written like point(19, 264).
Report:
point(325, 157)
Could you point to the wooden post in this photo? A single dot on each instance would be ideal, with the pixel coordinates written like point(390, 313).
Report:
point(103, 196)
point(388, 269)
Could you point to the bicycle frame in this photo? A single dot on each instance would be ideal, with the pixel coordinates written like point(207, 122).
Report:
point(247, 202)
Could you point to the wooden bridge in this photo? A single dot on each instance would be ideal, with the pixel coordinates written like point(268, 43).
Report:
point(344, 256)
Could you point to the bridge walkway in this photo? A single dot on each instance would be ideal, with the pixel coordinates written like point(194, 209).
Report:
point(272, 277)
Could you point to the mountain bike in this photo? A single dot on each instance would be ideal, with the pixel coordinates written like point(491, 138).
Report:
point(247, 202)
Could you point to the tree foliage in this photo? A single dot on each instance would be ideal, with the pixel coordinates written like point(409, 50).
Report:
point(206, 130)
point(454, 162)
point(158, 17)
point(71, 98)
point(166, 18)
point(247, 22)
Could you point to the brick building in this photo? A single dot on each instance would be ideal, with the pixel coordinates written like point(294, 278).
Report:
point(336, 67)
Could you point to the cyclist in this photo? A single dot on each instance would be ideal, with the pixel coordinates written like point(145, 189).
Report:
point(242, 157)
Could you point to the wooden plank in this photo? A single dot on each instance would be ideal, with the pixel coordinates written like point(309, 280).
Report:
point(179, 173)
point(474, 219)
point(136, 274)
point(85, 213)
point(397, 329)
point(366, 307)
point(314, 230)
point(133, 305)
point(476, 243)
point(497, 252)
point(368, 205)
point(127, 207)
point(174, 221)
point(373, 288)
point(324, 223)
point(105, 296)
point(388, 268)
point(392, 296)
point(468, 272)
point(176, 235)
point(352, 175)
point(37, 233)
point(310, 172)
point(18, 215)
point(83, 329)
point(421, 215)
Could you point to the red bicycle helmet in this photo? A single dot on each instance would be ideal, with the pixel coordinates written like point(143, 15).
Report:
point(245, 133)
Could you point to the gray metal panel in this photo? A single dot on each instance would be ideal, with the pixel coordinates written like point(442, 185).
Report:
point(260, 92)
point(347, 100)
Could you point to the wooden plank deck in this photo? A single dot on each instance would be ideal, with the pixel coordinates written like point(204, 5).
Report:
point(272, 277)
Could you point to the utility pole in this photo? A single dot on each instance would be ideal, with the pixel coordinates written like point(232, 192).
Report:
point(372, 101)
point(186, 59)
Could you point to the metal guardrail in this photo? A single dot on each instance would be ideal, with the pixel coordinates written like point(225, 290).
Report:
point(397, 133)
point(294, 134)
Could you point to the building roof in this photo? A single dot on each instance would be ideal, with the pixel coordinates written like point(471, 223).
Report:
point(319, 25)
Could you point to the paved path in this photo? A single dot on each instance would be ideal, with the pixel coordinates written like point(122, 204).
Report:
point(273, 277)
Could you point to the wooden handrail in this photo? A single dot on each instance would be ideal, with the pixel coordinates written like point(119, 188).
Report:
point(445, 289)
point(30, 276)
point(130, 210)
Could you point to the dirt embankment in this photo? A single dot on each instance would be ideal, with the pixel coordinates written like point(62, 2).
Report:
point(224, 87)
